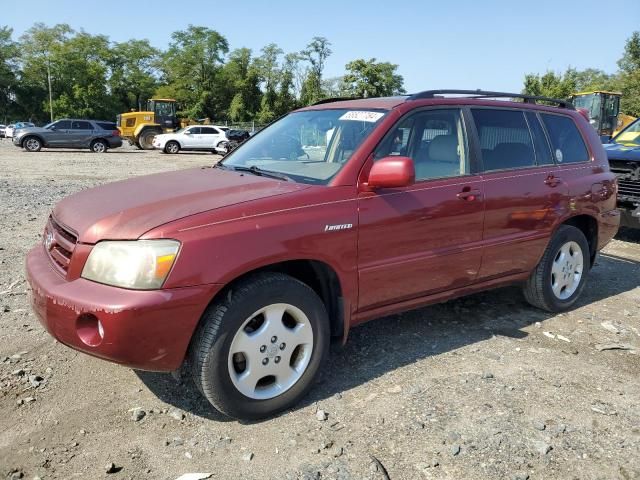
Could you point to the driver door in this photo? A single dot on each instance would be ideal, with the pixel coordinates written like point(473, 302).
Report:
point(58, 133)
point(425, 238)
point(191, 137)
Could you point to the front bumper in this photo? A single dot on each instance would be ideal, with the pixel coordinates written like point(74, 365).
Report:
point(148, 330)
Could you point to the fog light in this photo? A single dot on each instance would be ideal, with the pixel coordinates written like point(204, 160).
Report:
point(89, 329)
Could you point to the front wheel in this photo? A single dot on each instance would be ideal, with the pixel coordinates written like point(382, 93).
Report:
point(32, 144)
point(172, 147)
point(146, 139)
point(558, 280)
point(258, 349)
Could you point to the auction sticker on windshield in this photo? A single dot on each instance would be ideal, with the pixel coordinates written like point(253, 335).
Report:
point(362, 116)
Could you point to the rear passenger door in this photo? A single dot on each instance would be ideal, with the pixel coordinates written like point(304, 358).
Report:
point(80, 134)
point(523, 197)
point(424, 238)
point(210, 138)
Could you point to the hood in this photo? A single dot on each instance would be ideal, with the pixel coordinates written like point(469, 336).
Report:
point(617, 151)
point(127, 209)
point(23, 130)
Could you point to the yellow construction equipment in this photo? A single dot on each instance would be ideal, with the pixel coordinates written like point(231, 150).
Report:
point(604, 111)
point(140, 127)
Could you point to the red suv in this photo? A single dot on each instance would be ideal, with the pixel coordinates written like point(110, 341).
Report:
point(336, 214)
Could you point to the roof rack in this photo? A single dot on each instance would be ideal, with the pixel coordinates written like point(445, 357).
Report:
point(484, 94)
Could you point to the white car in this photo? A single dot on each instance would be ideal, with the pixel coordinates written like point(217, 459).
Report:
point(8, 131)
point(195, 137)
point(2, 129)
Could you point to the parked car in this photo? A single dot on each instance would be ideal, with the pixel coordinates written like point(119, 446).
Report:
point(194, 137)
point(624, 158)
point(2, 130)
point(8, 131)
point(243, 273)
point(19, 125)
point(233, 139)
point(96, 135)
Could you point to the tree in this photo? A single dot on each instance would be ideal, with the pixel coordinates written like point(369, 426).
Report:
point(191, 68)
point(8, 67)
point(368, 78)
point(39, 45)
point(241, 75)
point(133, 77)
point(270, 74)
point(551, 84)
point(630, 76)
point(316, 54)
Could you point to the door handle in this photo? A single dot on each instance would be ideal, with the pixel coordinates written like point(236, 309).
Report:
point(552, 181)
point(469, 195)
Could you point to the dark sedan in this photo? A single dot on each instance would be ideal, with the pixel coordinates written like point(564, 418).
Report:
point(96, 135)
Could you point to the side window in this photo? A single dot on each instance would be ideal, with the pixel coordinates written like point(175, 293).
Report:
point(543, 150)
point(505, 139)
point(566, 141)
point(194, 130)
point(208, 130)
point(78, 125)
point(131, 122)
point(433, 139)
point(63, 125)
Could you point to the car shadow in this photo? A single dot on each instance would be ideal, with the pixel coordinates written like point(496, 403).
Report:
point(392, 342)
point(627, 234)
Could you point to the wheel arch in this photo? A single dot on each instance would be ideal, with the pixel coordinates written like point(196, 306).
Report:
point(588, 225)
point(318, 275)
point(35, 135)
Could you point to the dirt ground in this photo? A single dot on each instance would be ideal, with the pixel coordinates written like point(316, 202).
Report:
point(484, 387)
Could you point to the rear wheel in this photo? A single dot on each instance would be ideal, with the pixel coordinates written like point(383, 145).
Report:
point(32, 144)
point(559, 278)
point(98, 146)
point(172, 147)
point(258, 349)
point(146, 139)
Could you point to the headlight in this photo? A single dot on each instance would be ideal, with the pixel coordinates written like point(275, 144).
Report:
point(139, 264)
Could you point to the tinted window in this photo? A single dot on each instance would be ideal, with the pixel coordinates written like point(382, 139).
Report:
point(434, 139)
point(566, 140)
point(194, 130)
point(107, 125)
point(78, 125)
point(62, 125)
point(543, 150)
point(208, 130)
point(504, 139)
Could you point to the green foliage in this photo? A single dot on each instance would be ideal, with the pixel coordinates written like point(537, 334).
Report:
point(134, 76)
point(630, 76)
point(368, 78)
point(8, 68)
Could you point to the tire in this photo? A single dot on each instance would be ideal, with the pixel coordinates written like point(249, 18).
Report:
point(99, 146)
point(146, 139)
point(555, 285)
point(172, 147)
point(226, 329)
point(32, 144)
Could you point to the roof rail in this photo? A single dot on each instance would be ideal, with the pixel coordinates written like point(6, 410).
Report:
point(334, 99)
point(485, 94)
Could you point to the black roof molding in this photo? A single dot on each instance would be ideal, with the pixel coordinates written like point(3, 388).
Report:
point(485, 94)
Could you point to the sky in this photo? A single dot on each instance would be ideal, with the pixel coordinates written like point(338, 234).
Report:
point(463, 44)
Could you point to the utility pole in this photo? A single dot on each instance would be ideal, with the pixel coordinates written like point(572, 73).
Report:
point(50, 94)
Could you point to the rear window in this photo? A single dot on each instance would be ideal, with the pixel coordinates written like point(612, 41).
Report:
point(504, 139)
point(107, 125)
point(566, 141)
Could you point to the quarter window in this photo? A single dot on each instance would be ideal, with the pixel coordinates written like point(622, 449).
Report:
point(568, 145)
point(505, 139)
point(433, 139)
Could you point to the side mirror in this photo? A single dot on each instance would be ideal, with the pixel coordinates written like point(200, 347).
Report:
point(392, 172)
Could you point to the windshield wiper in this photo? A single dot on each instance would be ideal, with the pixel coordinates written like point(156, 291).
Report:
point(259, 171)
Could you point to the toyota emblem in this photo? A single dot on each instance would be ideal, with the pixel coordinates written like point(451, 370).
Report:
point(48, 240)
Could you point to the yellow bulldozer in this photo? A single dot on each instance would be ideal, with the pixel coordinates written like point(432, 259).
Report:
point(139, 128)
point(604, 111)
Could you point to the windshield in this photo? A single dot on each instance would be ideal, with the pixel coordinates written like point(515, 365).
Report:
point(310, 146)
point(630, 135)
point(591, 102)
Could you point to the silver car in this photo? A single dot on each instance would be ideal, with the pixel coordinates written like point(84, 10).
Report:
point(96, 135)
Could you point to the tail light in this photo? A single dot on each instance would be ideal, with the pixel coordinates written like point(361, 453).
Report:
point(116, 133)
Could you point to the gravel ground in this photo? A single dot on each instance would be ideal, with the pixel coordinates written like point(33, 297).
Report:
point(478, 388)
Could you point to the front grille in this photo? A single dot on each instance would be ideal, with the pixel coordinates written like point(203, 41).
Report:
point(628, 190)
point(59, 243)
